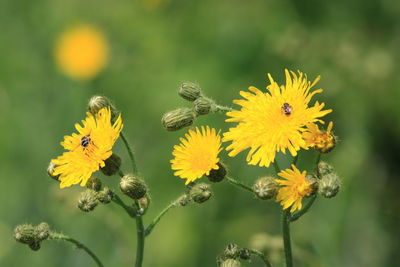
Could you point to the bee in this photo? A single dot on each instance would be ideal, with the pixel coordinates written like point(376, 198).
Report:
point(85, 141)
point(287, 109)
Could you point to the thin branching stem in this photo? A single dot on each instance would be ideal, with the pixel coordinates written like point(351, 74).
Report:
point(130, 210)
point(151, 226)
point(262, 256)
point(130, 152)
point(295, 216)
point(239, 184)
point(221, 108)
point(286, 238)
point(58, 236)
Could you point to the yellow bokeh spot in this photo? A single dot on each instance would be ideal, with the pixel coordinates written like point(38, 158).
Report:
point(81, 52)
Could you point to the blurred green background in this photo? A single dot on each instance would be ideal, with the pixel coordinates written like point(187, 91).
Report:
point(225, 46)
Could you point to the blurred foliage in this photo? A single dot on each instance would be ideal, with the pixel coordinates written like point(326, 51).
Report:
point(225, 46)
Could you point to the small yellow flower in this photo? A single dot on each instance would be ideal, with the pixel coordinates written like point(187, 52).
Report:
point(81, 52)
point(273, 121)
point(321, 140)
point(294, 188)
point(87, 149)
point(196, 155)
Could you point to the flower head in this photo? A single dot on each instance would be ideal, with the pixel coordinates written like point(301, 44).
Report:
point(273, 121)
point(323, 141)
point(294, 187)
point(87, 149)
point(81, 52)
point(196, 155)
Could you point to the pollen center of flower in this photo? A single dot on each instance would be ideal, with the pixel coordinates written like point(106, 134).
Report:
point(85, 141)
point(287, 109)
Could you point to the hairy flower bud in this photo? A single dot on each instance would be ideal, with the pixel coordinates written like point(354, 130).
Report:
point(24, 233)
point(204, 105)
point(189, 91)
point(244, 254)
point(312, 181)
point(230, 263)
point(200, 192)
point(87, 200)
point(50, 171)
point(133, 186)
point(94, 184)
point(265, 188)
point(35, 246)
point(112, 165)
point(42, 231)
point(178, 119)
point(184, 200)
point(97, 102)
point(324, 168)
point(232, 251)
point(105, 196)
point(217, 175)
point(329, 185)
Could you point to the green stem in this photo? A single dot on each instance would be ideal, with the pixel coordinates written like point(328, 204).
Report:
point(58, 236)
point(261, 255)
point(295, 216)
point(295, 158)
point(276, 166)
point(130, 152)
point(221, 108)
point(140, 231)
point(286, 238)
point(130, 210)
point(159, 216)
point(239, 184)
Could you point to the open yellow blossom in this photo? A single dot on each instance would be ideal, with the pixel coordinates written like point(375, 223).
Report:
point(273, 121)
point(196, 155)
point(323, 141)
point(294, 188)
point(87, 149)
point(81, 52)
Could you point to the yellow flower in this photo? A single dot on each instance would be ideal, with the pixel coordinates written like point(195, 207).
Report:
point(197, 154)
point(81, 52)
point(321, 140)
point(88, 149)
point(273, 121)
point(294, 188)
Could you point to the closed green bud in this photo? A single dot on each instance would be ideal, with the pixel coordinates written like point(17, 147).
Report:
point(189, 91)
point(200, 192)
point(144, 202)
point(204, 105)
point(244, 254)
point(87, 200)
point(112, 165)
point(42, 231)
point(97, 102)
point(312, 180)
point(265, 188)
point(329, 185)
point(324, 168)
point(232, 251)
point(178, 119)
point(217, 175)
point(24, 233)
point(94, 184)
point(133, 186)
point(50, 171)
point(184, 200)
point(230, 263)
point(35, 246)
point(105, 196)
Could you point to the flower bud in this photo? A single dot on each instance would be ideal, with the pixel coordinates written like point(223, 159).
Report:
point(217, 175)
point(189, 91)
point(97, 102)
point(329, 185)
point(24, 233)
point(232, 251)
point(35, 246)
point(133, 186)
point(112, 165)
point(265, 188)
point(87, 200)
point(178, 119)
point(145, 201)
point(42, 231)
point(230, 263)
point(105, 196)
point(50, 171)
point(244, 254)
point(184, 200)
point(204, 105)
point(200, 192)
point(324, 168)
point(94, 184)
point(312, 181)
